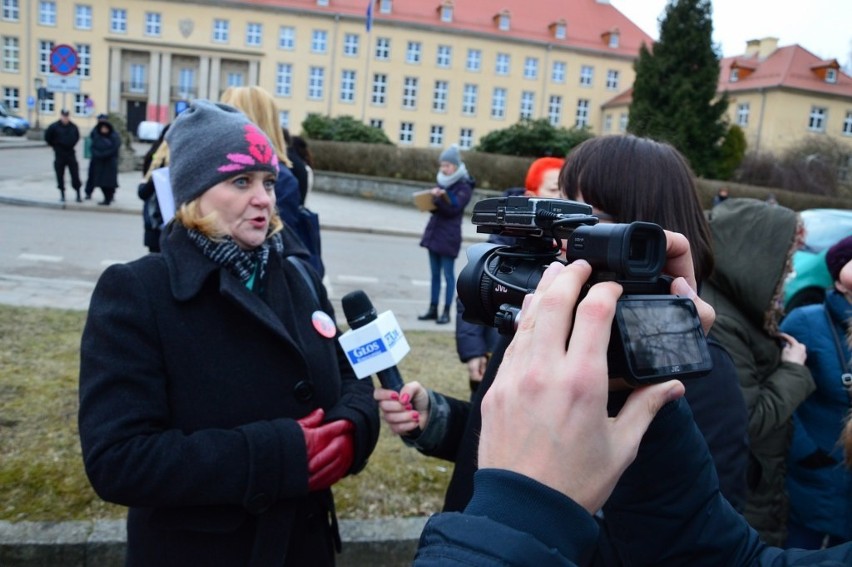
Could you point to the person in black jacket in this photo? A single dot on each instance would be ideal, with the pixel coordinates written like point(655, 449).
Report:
point(608, 173)
point(637, 457)
point(63, 136)
point(215, 400)
point(156, 157)
point(106, 144)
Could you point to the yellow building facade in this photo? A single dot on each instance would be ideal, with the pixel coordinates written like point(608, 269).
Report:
point(428, 73)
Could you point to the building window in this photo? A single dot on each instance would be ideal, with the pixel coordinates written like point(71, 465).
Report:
point(501, 65)
point(614, 38)
point(816, 120)
point(559, 31)
point(153, 23)
point(186, 83)
point(445, 55)
point(831, 75)
point(221, 30)
point(322, 2)
point(734, 76)
point(436, 136)
point(284, 118)
point(558, 72)
point(284, 79)
point(504, 22)
point(382, 48)
point(319, 41)
point(742, 114)
point(254, 34)
point(406, 132)
point(44, 49)
point(622, 122)
point(83, 17)
point(409, 93)
point(380, 89)
point(612, 80)
point(350, 44)
point(11, 54)
point(47, 13)
point(84, 60)
point(447, 14)
point(412, 53)
point(527, 104)
point(11, 10)
point(286, 37)
point(439, 96)
point(377, 123)
point(12, 97)
point(531, 68)
point(47, 103)
point(347, 86)
point(385, 6)
point(466, 138)
point(554, 110)
point(316, 83)
point(582, 119)
point(587, 73)
point(847, 124)
point(235, 79)
point(474, 59)
point(137, 78)
point(118, 20)
point(608, 123)
point(498, 103)
point(469, 98)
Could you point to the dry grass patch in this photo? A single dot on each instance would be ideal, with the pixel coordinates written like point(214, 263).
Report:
point(41, 471)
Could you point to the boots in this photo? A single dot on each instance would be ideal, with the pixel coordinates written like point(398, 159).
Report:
point(432, 313)
point(79, 200)
point(445, 316)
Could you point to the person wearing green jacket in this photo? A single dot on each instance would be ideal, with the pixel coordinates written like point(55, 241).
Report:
point(753, 244)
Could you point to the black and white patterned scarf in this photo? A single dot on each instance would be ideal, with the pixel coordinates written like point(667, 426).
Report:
point(243, 264)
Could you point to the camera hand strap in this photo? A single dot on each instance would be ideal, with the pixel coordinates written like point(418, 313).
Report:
point(846, 376)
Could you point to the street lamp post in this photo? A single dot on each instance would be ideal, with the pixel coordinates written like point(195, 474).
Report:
point(39, 82)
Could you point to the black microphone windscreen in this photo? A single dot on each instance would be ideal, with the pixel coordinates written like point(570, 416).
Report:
point(358, 309)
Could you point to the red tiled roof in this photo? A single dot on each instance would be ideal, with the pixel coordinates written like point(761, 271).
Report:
point(792, 67)
point(586, 20)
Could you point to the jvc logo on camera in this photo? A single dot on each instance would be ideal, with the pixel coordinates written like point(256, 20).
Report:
point(365, 351)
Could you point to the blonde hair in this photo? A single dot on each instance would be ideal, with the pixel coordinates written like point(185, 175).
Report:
point(256, 103)
point(189, 215)
point(160, 159)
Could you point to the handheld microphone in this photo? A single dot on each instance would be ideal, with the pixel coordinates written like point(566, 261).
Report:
point(374, 344)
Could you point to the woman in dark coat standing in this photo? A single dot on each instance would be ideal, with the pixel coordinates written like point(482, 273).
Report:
point(106, 143)
point(215, 400)
point(443, 233)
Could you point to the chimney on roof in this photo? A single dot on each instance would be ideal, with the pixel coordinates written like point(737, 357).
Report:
point(761, 48)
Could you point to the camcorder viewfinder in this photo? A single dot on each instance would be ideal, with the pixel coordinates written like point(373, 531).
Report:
point(655, 336)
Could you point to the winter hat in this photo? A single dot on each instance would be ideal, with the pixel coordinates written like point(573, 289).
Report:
point(537, 170)
point(211, 142)
point(838, 256)
point(451, 155)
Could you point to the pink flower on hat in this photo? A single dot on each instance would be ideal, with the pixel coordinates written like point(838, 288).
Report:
point(259, 151)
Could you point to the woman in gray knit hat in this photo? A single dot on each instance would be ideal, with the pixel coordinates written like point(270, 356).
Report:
point(215, 400)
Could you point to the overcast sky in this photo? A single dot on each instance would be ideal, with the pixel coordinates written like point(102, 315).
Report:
point(823, 27)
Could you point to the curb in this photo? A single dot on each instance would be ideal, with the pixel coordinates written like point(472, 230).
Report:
point(101, 543)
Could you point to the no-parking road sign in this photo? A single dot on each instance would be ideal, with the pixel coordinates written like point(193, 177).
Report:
point(64, 59)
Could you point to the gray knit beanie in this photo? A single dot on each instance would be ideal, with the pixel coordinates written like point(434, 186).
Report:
point(451, 155)
point(211, 142)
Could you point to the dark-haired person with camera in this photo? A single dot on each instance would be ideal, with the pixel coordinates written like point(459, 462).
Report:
point(558, 446)
point(619, 175)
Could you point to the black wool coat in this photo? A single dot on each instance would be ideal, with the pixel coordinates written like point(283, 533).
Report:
point(104, 164)
point(190, 388)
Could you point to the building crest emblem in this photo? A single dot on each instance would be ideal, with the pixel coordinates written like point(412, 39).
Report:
point(185, 26)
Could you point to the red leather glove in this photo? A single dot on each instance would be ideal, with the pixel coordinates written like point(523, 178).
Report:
point(331, 449)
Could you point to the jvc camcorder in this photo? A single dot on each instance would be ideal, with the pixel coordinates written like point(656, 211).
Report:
point(655, 335)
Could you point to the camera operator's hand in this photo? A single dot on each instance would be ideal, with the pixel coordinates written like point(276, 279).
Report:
point(679, 265)
point(404, 411)
point(793, 351)
point(545, 416)
point(476, 368)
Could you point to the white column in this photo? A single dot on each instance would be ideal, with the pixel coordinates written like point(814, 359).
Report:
point(215, 77)
point(114, 96)
point(204, 77)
